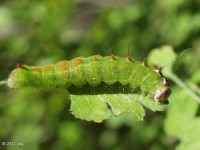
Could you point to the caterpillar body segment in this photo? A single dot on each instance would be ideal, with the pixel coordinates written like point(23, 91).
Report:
point(93, 71)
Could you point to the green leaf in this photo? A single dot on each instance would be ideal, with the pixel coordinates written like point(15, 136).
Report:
point(181, 122)
point(190, 138)
point(183, 108)
point(101, 102)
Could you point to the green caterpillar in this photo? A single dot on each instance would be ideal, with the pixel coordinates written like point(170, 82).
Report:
point(93, 71)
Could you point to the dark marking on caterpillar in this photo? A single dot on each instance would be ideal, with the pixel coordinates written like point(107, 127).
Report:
point(113, 57)
point(93, 71)
point(128, 58)
point(108, 106)
point(159, 70)
point(18, 65)
point(144, 62)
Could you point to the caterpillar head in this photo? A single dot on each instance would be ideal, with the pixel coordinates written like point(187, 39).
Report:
point(162, 94)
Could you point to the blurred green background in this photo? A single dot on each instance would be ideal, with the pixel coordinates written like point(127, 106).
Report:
point(43, 32)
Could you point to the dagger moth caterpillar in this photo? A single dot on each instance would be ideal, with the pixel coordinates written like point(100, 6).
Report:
point(93, 71)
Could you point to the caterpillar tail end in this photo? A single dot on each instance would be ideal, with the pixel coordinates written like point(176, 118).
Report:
point(6, 83)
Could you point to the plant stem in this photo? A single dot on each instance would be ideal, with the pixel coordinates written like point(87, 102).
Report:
point(186, 88)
